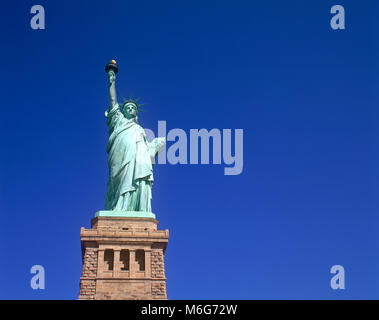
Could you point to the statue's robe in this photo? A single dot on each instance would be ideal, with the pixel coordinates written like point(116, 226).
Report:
point(130, 168)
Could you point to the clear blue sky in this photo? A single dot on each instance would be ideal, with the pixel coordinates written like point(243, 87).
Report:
point(303, 94)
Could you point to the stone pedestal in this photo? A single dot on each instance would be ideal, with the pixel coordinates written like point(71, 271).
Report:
point(123, 258)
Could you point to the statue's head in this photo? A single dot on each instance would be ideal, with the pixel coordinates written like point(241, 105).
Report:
point(130, 108)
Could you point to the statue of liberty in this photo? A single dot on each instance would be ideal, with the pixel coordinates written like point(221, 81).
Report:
point(130, 155)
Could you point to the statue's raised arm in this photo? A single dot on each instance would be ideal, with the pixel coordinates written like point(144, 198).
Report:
point(111, 68)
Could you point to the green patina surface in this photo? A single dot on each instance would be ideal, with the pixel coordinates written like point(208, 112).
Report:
point(130, 158)
point(126, 214)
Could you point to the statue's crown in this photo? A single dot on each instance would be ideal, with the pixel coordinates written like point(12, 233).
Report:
point(133, 102)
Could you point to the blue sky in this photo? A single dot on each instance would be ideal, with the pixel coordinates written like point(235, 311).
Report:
point(302, 92)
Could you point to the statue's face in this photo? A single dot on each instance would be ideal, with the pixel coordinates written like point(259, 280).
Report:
point(131, 110)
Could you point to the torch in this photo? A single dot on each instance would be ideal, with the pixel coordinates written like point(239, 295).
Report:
point(112, 65)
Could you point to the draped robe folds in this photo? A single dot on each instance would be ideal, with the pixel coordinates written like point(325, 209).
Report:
point(130, 168)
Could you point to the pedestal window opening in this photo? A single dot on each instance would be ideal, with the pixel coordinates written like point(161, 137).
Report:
point(140, 259)
point(124, 259)
point(108, 259)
